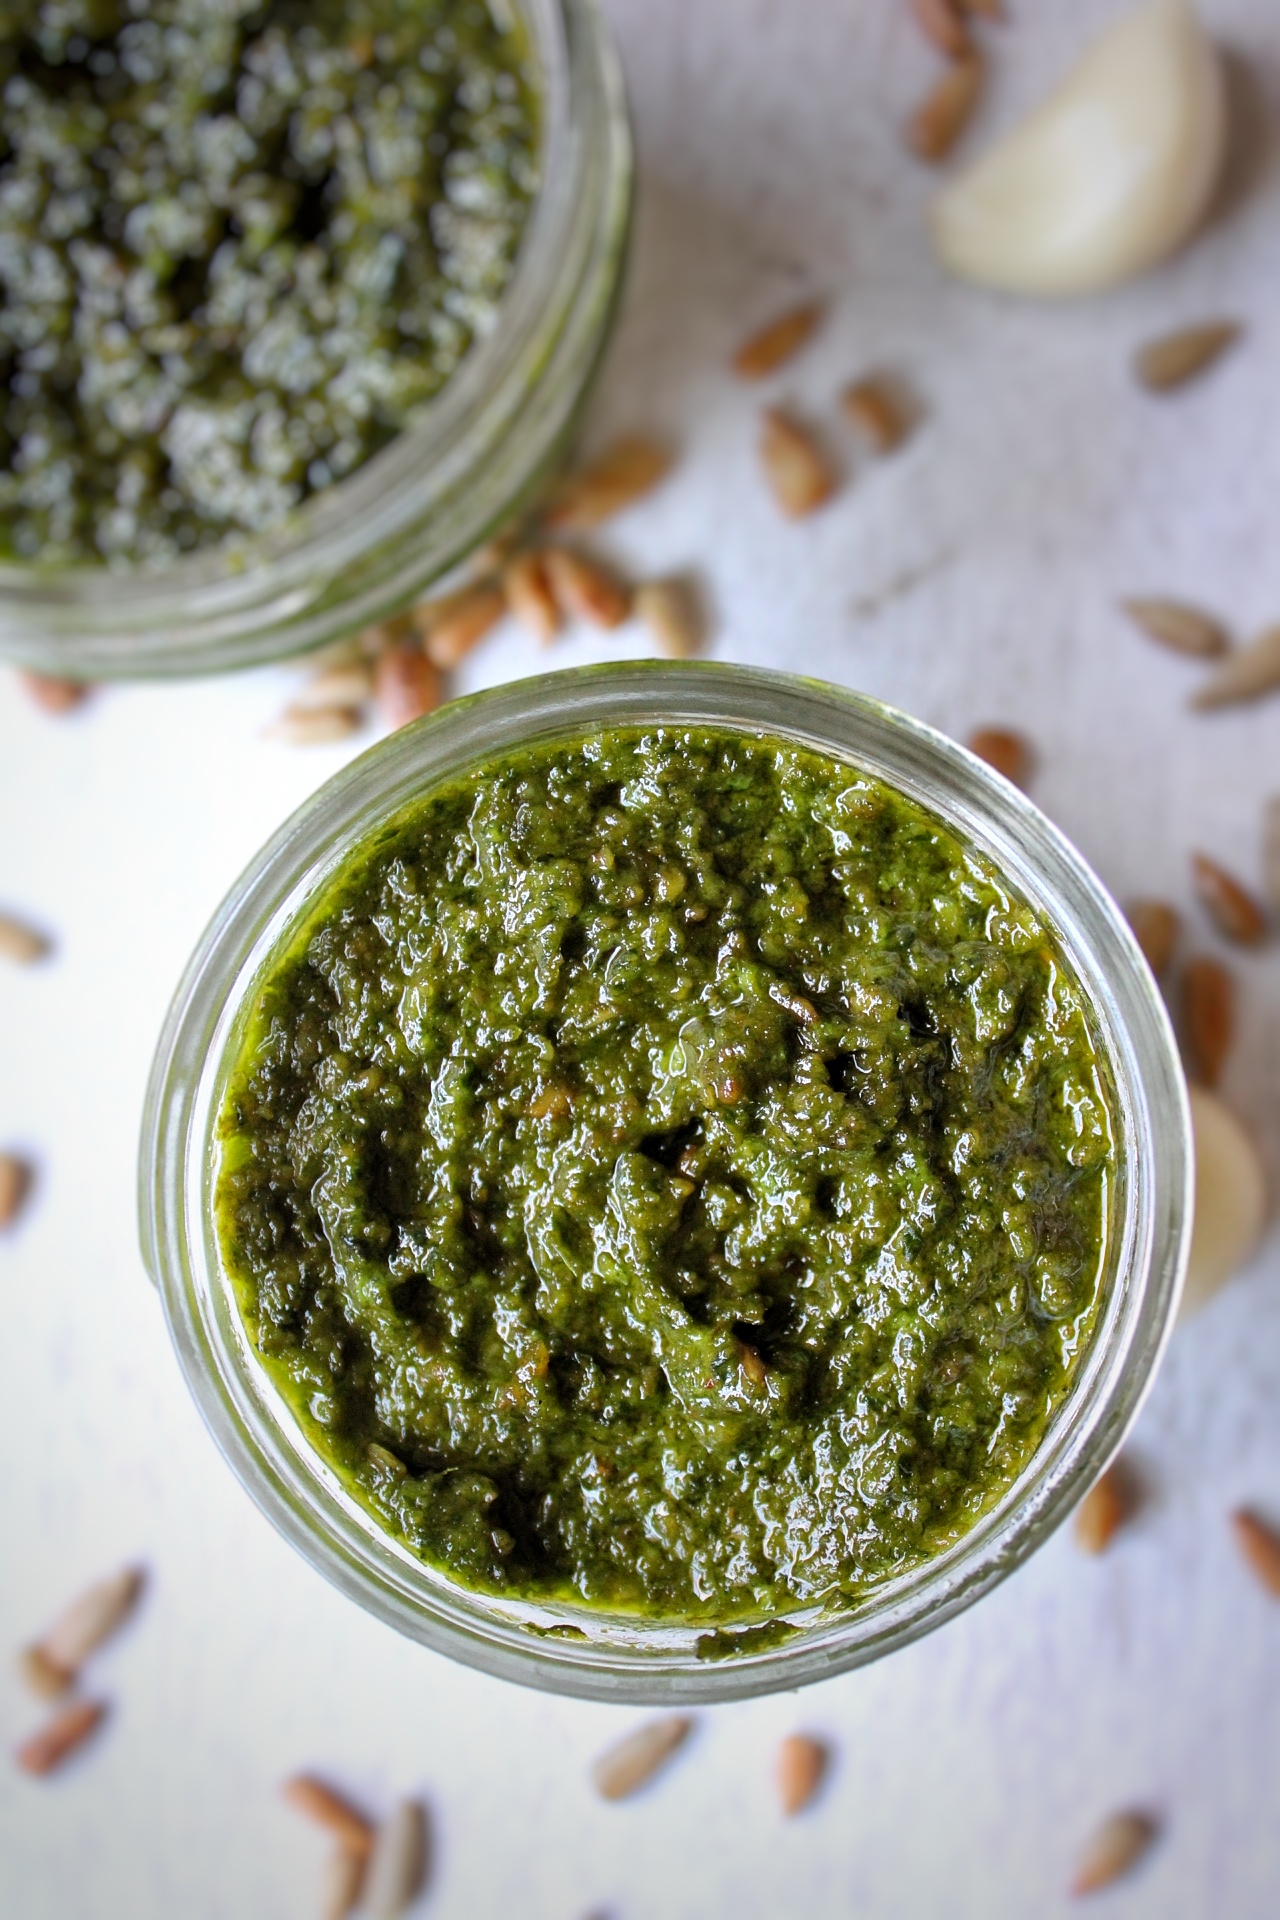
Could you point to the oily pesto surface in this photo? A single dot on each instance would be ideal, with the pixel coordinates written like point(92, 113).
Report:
point(240, 241)
point(669, 1171)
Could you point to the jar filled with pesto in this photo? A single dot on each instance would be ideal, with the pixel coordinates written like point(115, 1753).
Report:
point(299, 302)
point(684, 1180)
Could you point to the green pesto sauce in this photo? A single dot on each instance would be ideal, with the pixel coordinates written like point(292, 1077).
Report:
point(241, 241)
point(669, 1171)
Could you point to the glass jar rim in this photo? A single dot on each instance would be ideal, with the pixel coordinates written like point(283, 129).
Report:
point(581, 1650)
point(98, 622)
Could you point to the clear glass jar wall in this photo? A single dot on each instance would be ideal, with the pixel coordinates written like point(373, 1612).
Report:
point(584, 1651)
point(372, 544)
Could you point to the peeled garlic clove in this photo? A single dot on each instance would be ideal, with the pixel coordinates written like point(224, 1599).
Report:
point(1106, 178)
point(1231, 1199)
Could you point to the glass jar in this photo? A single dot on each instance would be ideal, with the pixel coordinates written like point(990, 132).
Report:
point(369, 546)
point(579, 1649)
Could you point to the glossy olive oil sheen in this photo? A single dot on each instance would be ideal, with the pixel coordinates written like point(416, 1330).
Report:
point(669, 1171)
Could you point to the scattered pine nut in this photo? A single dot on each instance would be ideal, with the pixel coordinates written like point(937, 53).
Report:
point(51, 693)
point(1177, 358)
point(1209, 1017)
point(21, 943)
point(385, 633)
point(15, 1184)
point(584, 589)
point(623, 474)
point(635, 1759)
point(1245, 674)
point(1156, 926)
point(670, 610)
point(878, 412)
point(1009, 753)
point(338, 653)
point(1231, 907)
point(529, 595)
point(318, 1802)
point(1271, 850)
point(798, 473)
point(86, 1624)
point(1260, 1545)
point(343, 684)
point(406, 684)
point(59, 1738)
point(343, 1884)
point(942, 116)
point(772, 346)
point(397, 1867)
point(453, 626)
point(1185, 629)
point(943, 22)
point(42, 1677)
point(92, 1618)
point(298, 728)
point(802, 1761)
point(1115, 1850)
point(1109, 1503)
point(493, 556)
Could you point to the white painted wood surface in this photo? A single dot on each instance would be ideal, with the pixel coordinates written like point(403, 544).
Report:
point(1042, 485)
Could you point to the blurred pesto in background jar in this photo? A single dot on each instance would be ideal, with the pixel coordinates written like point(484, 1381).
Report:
point(239, 246)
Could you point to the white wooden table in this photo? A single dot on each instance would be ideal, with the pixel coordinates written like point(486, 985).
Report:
point(971, 579)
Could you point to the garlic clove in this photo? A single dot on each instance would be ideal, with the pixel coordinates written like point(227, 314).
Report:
point(1107, 177)
point(1231, 1199)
